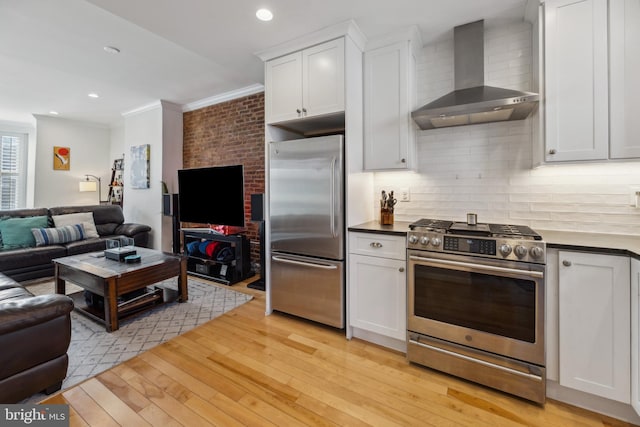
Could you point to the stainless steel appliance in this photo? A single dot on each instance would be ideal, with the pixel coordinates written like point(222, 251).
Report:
point(476, 303)
point(472, 102)
point(306, 203)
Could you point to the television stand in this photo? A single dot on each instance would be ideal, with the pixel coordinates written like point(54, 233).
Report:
point(205, 230)
point(203, 248)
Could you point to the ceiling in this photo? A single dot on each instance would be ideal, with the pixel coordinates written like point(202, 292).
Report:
point(52, 56)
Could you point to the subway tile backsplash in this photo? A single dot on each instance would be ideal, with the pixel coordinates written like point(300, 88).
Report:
point(487, 169)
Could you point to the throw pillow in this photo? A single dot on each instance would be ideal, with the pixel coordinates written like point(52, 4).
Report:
point(16, 232)
point(84, 218)
point(53, 236)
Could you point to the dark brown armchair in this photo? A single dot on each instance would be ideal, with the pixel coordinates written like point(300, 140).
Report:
point(35, 332)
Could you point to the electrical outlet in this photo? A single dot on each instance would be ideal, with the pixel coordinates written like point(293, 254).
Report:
point(634, 196)
point(404, 195)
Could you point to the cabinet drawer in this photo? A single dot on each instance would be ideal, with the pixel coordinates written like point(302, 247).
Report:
point(378, 244)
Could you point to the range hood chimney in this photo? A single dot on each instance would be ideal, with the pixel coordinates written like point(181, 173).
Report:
point(472, 102)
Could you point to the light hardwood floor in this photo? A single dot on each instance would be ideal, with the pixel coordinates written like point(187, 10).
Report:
point(245, 368)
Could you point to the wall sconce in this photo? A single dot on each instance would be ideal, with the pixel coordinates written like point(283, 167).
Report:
point(88, 185)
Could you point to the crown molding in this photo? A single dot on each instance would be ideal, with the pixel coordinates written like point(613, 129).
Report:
point(223, 97)
point(149, 107)
point(347, 28)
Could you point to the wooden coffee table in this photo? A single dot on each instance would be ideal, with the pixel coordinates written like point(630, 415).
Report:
point(111, 279)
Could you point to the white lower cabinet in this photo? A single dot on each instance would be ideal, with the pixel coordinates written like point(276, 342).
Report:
point(377, 288)
point(594, 324)
point(635, 335)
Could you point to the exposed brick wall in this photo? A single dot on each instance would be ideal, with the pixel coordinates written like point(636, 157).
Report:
point(230, 133)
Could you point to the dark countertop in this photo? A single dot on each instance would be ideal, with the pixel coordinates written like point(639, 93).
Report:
point(613, 244)
point(399, 228)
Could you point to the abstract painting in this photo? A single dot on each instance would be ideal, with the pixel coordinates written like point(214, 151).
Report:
point(61, 158)
point(140, 163)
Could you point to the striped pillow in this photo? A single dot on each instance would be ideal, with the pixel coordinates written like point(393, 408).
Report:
point(53, 236)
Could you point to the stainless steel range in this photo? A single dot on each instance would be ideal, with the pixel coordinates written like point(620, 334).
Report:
point(476, 303)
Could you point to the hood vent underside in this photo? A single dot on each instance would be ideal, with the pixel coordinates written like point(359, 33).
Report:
point(472, 102)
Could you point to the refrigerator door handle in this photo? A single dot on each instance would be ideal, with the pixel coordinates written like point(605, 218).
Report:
point(333, 197)
point(306, 264)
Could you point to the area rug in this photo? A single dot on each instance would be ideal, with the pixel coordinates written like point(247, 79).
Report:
point(94, 350)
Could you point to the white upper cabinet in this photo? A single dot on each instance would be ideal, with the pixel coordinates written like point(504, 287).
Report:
point(624, 30)
point(576, 80)
point(594, 320)
point(308, 83)
point(592, 60)
point(389, 87)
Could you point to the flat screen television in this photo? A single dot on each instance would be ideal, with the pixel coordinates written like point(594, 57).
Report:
point(212, 195)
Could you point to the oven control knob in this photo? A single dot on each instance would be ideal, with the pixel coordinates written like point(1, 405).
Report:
point(520, 251)
point(413, 239)
point(536, 252)
point(436, 241)
point(424, 241)
point(505, 249)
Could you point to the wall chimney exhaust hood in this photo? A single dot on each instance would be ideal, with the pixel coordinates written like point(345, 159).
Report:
point(472, 102)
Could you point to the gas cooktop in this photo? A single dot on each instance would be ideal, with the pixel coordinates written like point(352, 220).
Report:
point(499, 241)
point(482, 230)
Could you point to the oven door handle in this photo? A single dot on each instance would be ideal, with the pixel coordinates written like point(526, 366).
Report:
point(474, 360)
point(304, 264)
point(476, 267)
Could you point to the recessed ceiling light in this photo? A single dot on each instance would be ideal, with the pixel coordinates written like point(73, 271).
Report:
point(111, 49)
point(264, 15)
point(53, 113)
point(93, 95)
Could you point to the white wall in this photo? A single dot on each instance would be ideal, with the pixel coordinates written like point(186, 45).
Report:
point(90, 154)
point(116, 145)
point(486, 169)
point(160, 126)
point(143, 206)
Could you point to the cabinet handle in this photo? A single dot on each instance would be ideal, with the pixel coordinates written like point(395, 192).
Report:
point(298, 111)
point(401, 269)
point(566, 263)
point(552, 151)
point(403, 160)
point(375, 244)
point(304, 110)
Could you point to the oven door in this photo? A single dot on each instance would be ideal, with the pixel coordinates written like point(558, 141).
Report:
point(491, 305)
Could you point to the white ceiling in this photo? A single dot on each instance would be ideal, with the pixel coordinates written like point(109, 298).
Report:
point(51, 52)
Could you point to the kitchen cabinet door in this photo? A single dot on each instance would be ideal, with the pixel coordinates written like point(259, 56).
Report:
point(624, 16)
point(576, 80)
point(378, 295)
point(304, 84)
point(594, 322)
point(635, 335)
point(389, 137)
point(323, 79)
point(377, 288)
point(283, 85)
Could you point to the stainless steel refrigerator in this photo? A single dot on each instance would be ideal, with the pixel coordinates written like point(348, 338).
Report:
point(306, 205)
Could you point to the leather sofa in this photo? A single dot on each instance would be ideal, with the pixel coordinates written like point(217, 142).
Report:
point(35, 332)
point(35, 262)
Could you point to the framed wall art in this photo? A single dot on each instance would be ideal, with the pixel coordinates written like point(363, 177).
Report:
point(140, 165)
point(61, 158)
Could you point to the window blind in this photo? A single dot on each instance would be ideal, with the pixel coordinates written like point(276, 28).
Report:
point(12, 170)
